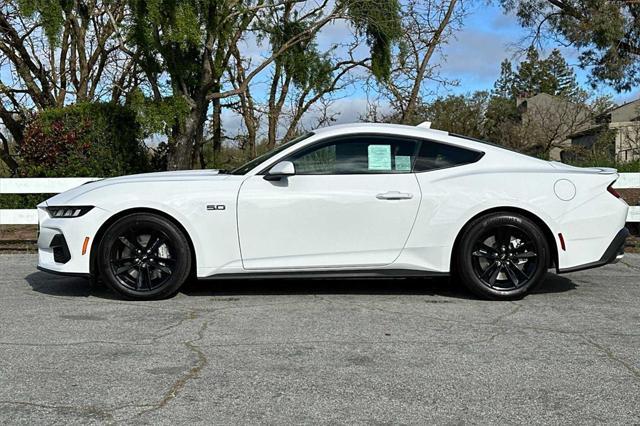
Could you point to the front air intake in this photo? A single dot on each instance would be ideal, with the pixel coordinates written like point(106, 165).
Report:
point(60, 249)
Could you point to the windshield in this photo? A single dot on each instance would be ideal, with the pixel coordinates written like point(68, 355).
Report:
point(264, 157)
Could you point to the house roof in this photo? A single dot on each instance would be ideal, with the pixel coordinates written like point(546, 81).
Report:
point(629, 111)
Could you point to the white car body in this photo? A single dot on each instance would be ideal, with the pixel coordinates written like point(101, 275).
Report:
point(244, 224)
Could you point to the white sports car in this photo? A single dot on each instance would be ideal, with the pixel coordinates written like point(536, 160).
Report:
point(365, 200)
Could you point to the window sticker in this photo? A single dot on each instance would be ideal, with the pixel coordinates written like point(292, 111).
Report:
point(403, 163)
point(379, 157)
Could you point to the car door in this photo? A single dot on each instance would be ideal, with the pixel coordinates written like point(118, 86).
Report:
point(352, 203)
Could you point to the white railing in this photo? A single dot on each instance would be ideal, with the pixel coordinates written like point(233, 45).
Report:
point(33, 186)
point(57, 185)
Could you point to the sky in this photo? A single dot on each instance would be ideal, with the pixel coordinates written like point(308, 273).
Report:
point(489, 36)
point(472, 58)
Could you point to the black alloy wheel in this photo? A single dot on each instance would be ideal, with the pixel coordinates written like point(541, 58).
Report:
point(501, 256)
point(144, 256)
point(505, 258)
point(142, 259)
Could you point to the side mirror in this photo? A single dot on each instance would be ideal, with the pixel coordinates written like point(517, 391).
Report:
point(281, 170)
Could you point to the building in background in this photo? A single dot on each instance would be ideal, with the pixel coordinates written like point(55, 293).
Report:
point(547, 122)
point(623, 126)
point(567, 128)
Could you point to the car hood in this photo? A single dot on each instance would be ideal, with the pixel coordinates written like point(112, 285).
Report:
point(168, 176)
point(69, 196)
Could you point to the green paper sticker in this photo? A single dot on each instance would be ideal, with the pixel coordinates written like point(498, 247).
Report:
point(379, 157)
point(403, 163)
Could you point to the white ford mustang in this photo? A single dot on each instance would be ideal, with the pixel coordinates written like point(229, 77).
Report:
point(354, 200)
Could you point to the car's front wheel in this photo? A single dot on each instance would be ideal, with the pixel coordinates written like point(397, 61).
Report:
point(502, 256)
point(144, 256)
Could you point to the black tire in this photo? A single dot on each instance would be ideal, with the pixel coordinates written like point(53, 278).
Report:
point(144, 256)
point(502, 256)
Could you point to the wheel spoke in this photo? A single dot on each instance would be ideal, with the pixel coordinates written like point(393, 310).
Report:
point(503, 237)
point(482, 253)
point(154, 242)
point(125, 268)
point(491, 273)
point(160, 267)
point(140, 280)
point(127, 243)
point(122, 260)
point(130, 240)
point(525, 255)
point(494, 275)
point(485, 251)
point(512, 276)
point(489, 269)
point(489, 248)
point(520, 271)
point(164, 260)
point(147, 276)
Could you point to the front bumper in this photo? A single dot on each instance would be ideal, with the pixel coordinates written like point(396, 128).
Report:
point(613, 254)
point(60, 241)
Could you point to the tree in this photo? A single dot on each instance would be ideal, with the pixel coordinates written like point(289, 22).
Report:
point(461, 114)
point(300, 78)
point(426, 26)
point(505, 84)
point(563, 76)
point(605, 33)
point(194, 43)
point(56, 52)
point(535, 75)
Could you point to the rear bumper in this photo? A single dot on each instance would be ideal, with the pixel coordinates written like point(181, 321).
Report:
point(613, 254)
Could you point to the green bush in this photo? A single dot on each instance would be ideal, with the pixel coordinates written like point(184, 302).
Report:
point(86, 139)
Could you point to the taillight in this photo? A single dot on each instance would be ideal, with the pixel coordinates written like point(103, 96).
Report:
point(613, 191)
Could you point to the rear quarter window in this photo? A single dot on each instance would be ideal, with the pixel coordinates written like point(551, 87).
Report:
point(435, 155)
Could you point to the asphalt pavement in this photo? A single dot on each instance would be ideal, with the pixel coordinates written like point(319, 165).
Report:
point(320, 351)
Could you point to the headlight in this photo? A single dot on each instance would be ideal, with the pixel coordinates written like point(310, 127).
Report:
point(68, 211)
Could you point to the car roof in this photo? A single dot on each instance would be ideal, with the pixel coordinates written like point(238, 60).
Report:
point(372, 127)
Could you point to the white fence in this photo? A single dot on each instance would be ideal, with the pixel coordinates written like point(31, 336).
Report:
point(33, 186)
point(57, 185)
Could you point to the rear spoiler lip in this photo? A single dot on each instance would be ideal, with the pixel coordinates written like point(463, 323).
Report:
point(589, 170)
point(606, 170)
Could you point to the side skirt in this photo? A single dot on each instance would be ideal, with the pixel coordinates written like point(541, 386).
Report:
point(355, 273)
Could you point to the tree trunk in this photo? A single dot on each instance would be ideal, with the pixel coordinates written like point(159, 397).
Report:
point(251, 140)
point(198, 155)
point(216, 129)
point(5, 155)
point(182, 146)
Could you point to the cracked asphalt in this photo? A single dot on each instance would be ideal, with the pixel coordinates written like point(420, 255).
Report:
point(320, 351)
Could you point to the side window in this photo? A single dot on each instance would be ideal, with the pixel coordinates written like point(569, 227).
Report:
point(357, 155)
point(434, 155)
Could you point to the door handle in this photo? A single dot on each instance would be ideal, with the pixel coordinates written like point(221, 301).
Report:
point(394, 195)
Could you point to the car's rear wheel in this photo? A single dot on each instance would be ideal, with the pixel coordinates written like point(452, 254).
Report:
point(502, 256)
point(144, 256)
